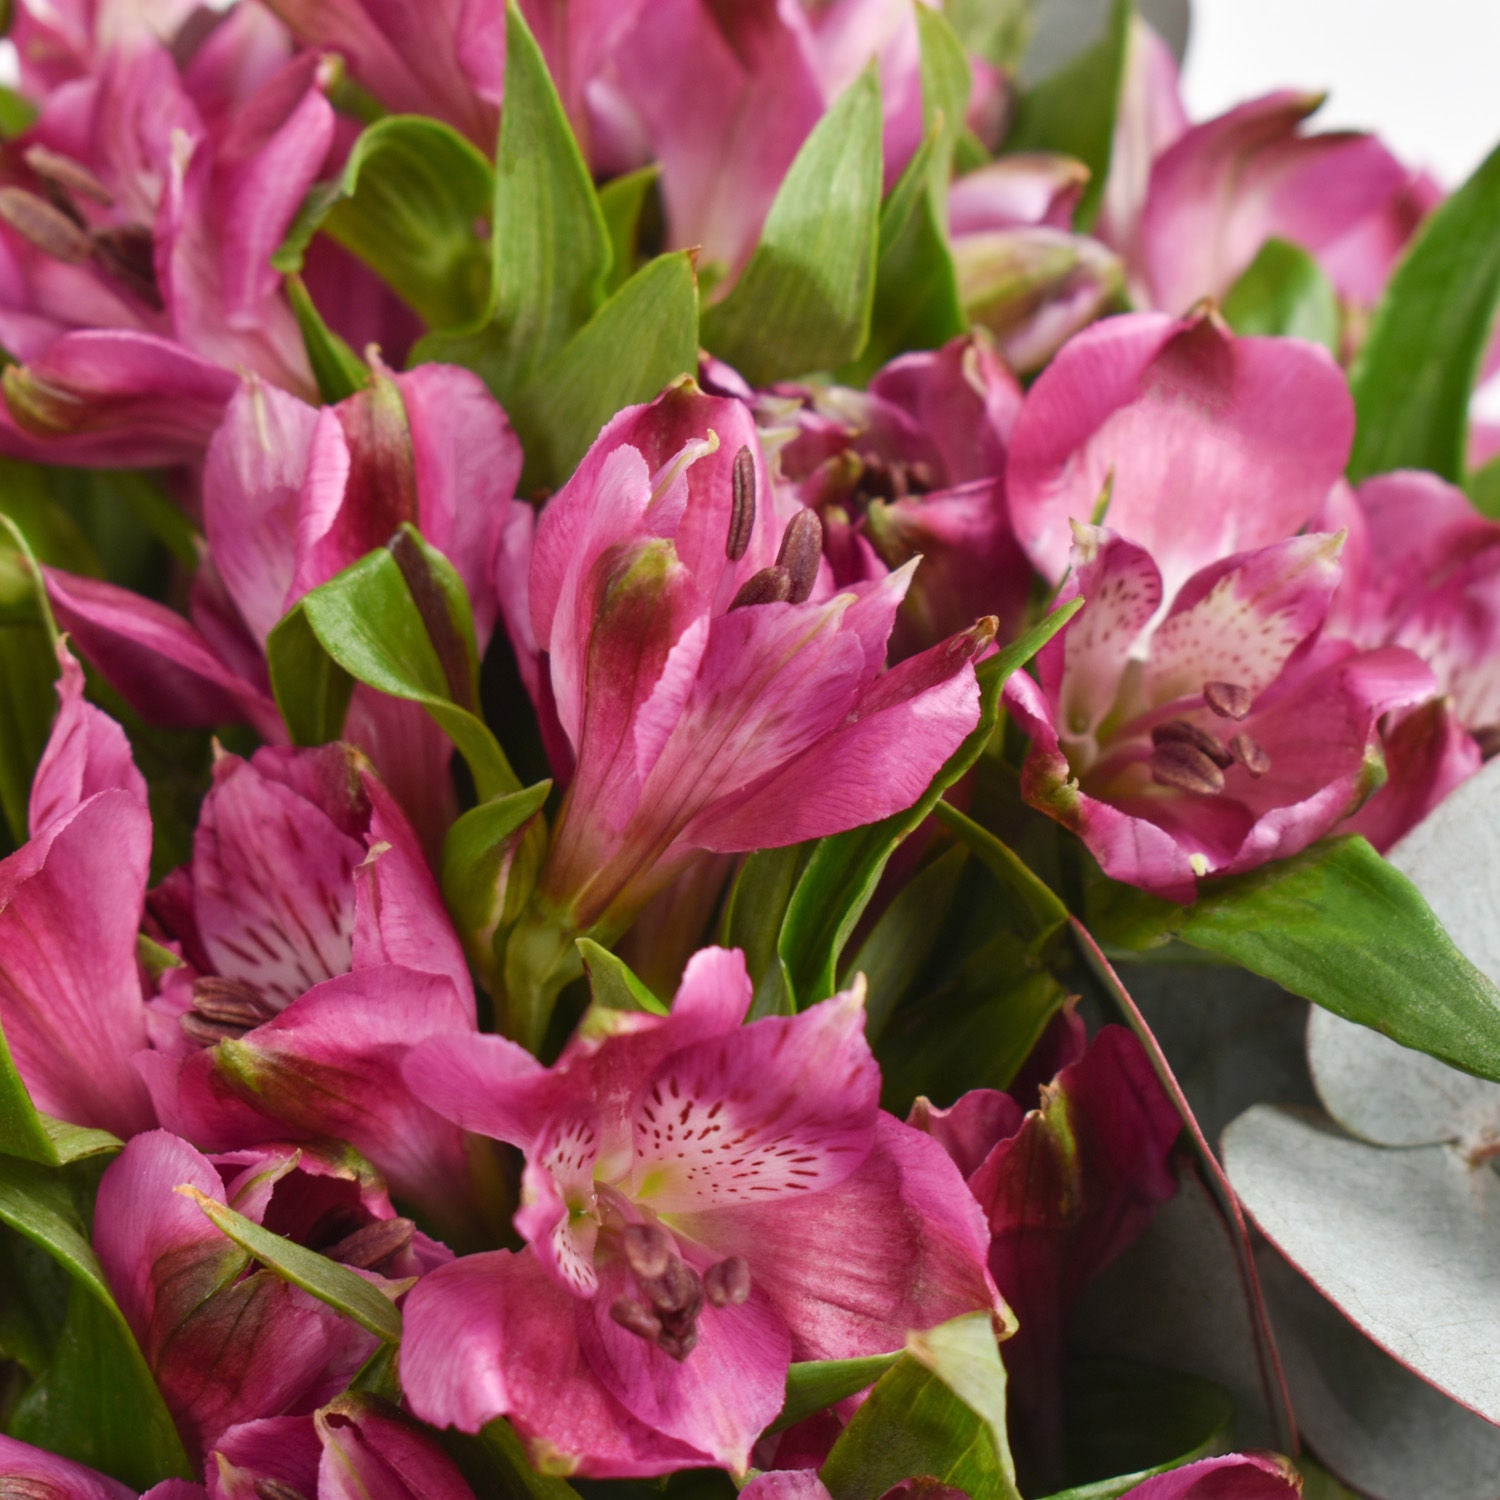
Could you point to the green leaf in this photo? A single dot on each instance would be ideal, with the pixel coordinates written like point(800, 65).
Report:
point(331, 1283)
point(1340, 926)
point(840, 875)
point(1483, 488)
point(816, 1384)
point(996, 30)
point(482, 857)
point(803, 302)
point(1073, 111)
point(938, 1412)
point(1133, 1417)
point(1285, 292)
point(96, 1402)
point(550, 247)
point(518, 1478)
point(411, 195)
point(623, 201)
point(22, 1131)
point(336, 367)
point(1045, 913)
point(72, 1143)
point(916, 303)
point(641, 340)
point(1412, 378)
point(612, 982)
point(397, 620)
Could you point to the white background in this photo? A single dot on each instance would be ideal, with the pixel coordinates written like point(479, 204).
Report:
point(1424, 74)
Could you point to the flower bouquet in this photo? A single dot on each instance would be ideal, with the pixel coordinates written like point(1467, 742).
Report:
point(743, 751)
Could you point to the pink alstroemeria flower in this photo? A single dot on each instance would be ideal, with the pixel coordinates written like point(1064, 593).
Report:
point(71, 1005)
point(703, 1203)
point(35, 1474)
point(1201, 444)
point(292, 494)
point(228, 1343)
point(1189, 206)
point(140, 216)
point(355, 1448)
point(727, 94)
point(318, 951)
point(710, 694)
point(912, 467)
point(1065, 1186)
point(1422, 570)
point(1198, 731)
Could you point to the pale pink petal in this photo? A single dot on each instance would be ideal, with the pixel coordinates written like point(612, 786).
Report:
point(1208, 444)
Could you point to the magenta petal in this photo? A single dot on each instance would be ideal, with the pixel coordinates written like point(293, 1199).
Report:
point(86, 753)
point(1209, 444)
point(35, 1472)
point(116, 398)
point(372, 1451)
point(896, 736)
point(224, 1347)
point(1236, 1476)
point(899, 1245)
point(720, 1398)
point(70, 992)
point(488, 1084)
point(796, 1096)
point(329, 1066)
point(155, 659)
point(253, 476)
point(786, 1484)
point(493, 1335)
point(970, 1127)
point(1227, 186)
point(285, 1449)
point(273, 883)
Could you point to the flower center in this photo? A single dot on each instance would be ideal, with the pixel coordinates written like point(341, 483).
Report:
point(671, 1294)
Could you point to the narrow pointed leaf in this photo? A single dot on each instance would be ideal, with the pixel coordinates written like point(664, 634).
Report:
point(335, 366)
point(816, 1384)
point(327, 1280)
point(1413, 376)
point(803, 302)
point(1073, 111)
point(623, 201)
point(641, 340)
point(613, 983)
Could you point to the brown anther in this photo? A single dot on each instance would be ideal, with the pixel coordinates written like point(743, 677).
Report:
point(231, 1000)
point(128, 253)
point(71, 176)
point(649, 1250)
point(677, 1293)
point(1250, 755)
point(1229, 700)
point(636, 1317)
point(1180, 732)
point(46, 226)
point(742, 508)
point(801, 550)
point(1176, 763)
point(373, 1244)
point(727, 1283)
point(770, 586)
point(678, 1345)
point(277, 1489)
point(1488, 738)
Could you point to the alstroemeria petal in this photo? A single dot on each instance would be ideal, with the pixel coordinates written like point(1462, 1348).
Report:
point(492, 1335)
point(1207, 444)
point(33, 1472)
point(372, 1451)
point(87, 752)
point(70, 992)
